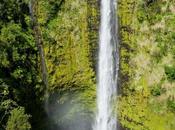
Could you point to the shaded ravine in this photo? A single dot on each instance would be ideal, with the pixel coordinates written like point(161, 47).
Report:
point(108, 65)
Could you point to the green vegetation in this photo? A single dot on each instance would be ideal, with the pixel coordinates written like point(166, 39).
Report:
point(69, 62)
point(170, 72)
point(69, 39)
point(147, 97)
point(18, 120)
point(68, 30)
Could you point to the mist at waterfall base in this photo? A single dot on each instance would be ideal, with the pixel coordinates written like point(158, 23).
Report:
point(107, 67)
point(66, 112)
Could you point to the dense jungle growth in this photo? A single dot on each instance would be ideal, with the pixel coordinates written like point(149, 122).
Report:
point(48, 58)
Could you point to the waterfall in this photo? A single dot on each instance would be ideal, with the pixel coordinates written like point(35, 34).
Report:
point(39, 42)
point(107, 67)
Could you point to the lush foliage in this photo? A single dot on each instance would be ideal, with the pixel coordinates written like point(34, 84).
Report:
point(69, 30)
point(70, 39)
point(18, 120)
point(68, 56)
point(147, 62)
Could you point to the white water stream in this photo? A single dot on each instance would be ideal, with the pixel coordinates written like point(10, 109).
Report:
point(107, 67)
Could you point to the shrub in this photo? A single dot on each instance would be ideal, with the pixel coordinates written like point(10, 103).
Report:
point(157, 90)
point(170, 72)
point(18, 120)
point(171, 104)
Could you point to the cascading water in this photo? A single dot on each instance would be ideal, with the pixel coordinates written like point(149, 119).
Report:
point(107, 67)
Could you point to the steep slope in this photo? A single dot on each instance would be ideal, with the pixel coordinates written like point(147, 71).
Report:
point(69, 33)
point(147, 100)
point(70, 38)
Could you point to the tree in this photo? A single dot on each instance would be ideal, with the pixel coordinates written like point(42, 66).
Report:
point(18, 120)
